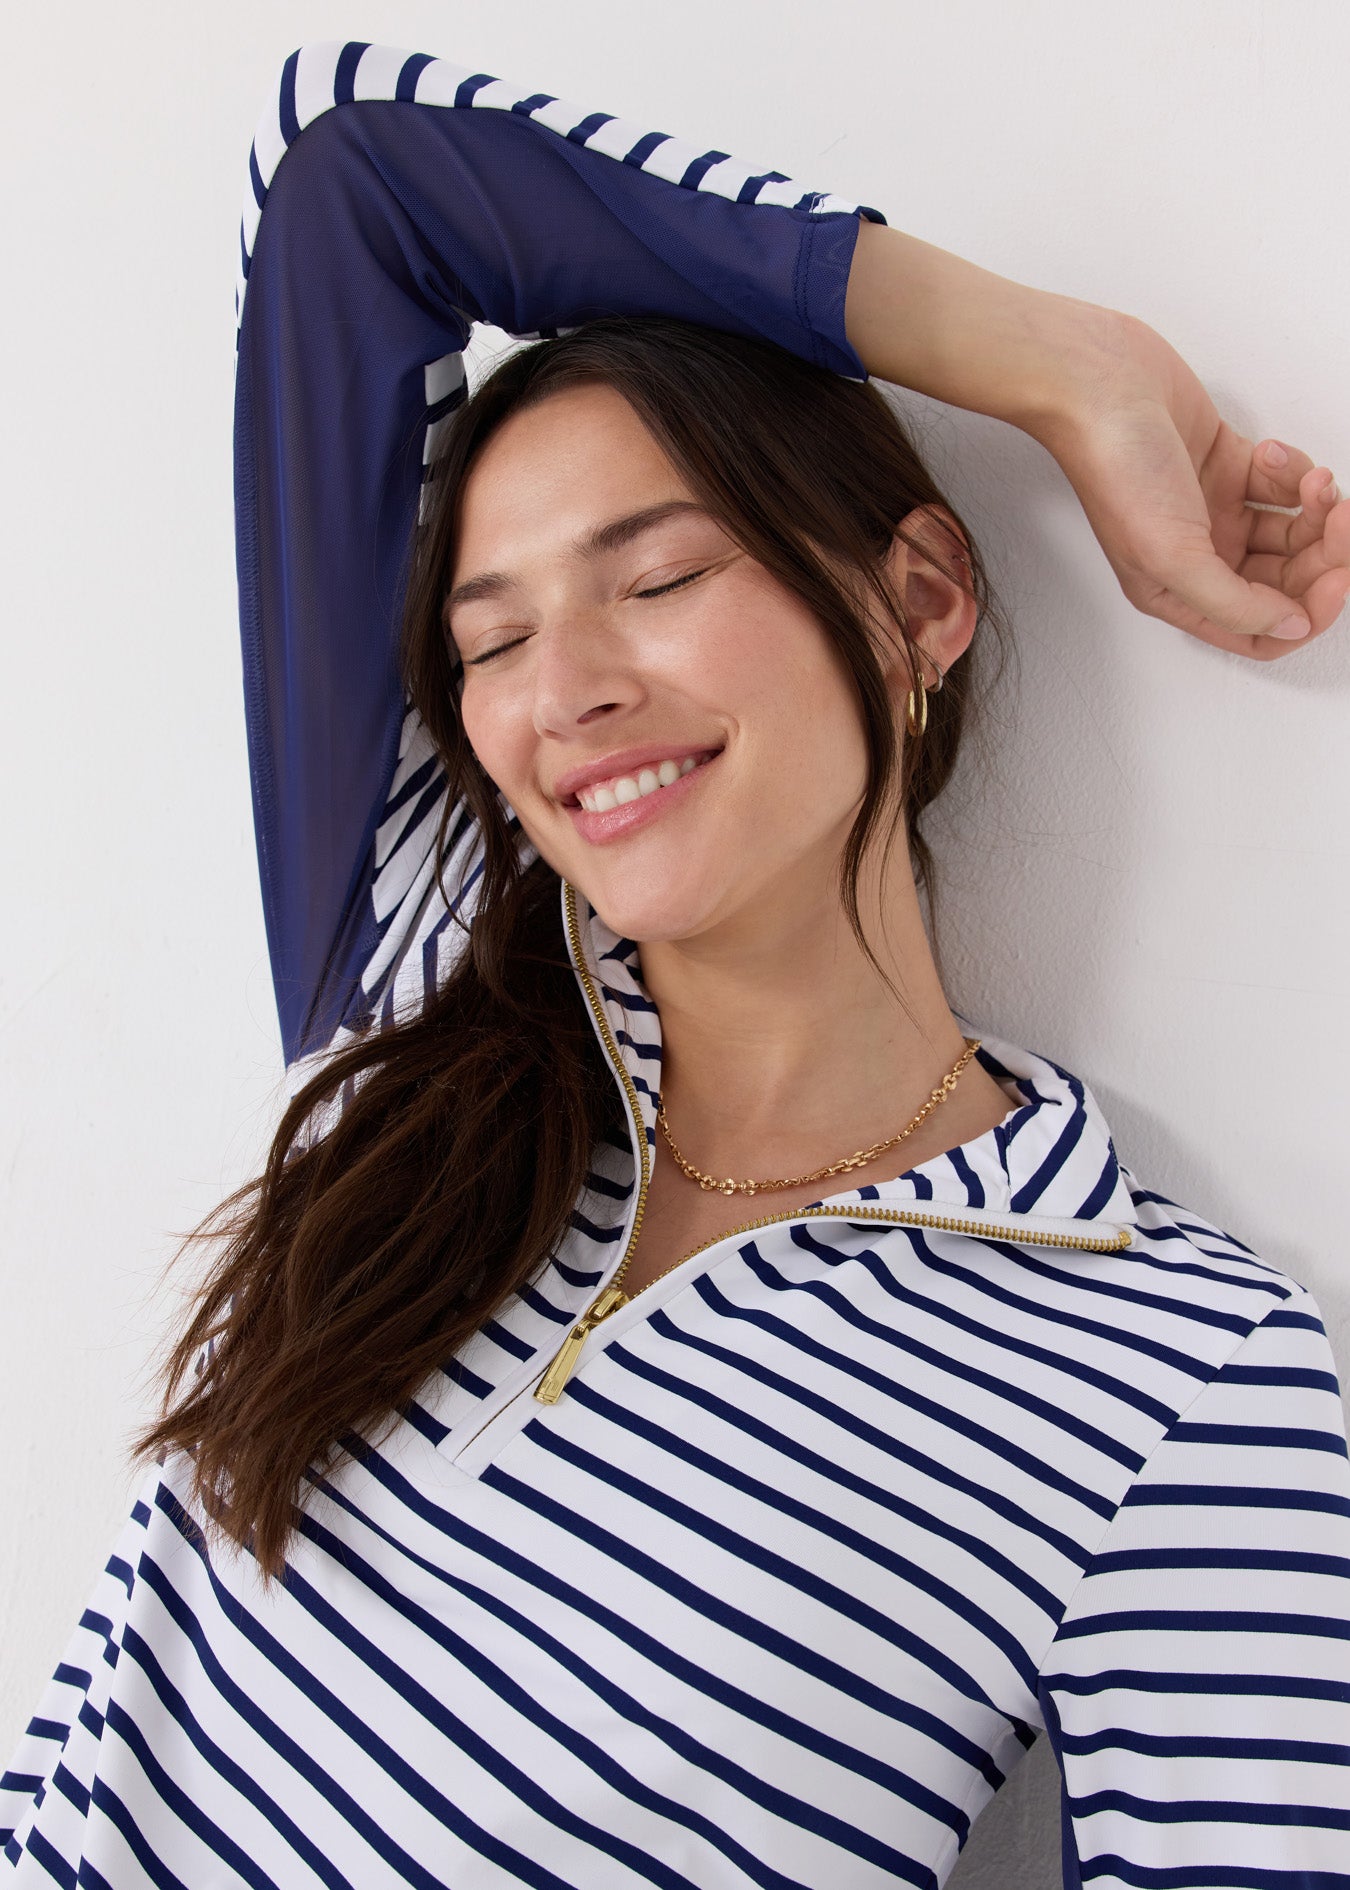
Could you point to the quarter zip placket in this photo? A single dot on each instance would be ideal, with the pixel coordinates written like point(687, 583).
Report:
point(514, 1405)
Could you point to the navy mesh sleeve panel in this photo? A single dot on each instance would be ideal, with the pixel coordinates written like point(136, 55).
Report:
point(388, 230)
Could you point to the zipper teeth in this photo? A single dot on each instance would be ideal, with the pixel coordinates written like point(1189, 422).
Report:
point(635, 1107)
point(911, 1217)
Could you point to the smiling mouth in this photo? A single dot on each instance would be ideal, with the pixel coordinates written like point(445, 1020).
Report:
point(602, 797)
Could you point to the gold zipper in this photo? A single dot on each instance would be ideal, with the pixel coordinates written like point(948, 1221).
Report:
point(611, 1297)
point(550, 1386)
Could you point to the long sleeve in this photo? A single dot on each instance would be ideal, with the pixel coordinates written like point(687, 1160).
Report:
point(1197, 1693)
point(396, 200)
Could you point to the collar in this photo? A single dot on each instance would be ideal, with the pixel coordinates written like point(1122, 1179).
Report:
point(1051, 1157)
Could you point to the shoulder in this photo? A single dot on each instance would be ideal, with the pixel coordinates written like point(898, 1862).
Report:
point(1179, 1244)
point(1198, 1293)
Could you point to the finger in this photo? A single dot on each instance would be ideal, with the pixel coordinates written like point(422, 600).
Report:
point(1286, 534)
point(1295, 572)
point(1202, 590)
point(1276, 481)
point(1324, 604)
point(1269, 594)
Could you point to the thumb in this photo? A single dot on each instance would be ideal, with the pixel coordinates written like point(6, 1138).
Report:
point(1201, 594)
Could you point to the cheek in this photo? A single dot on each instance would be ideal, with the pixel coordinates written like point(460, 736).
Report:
point(494, 738)
point(791, 688)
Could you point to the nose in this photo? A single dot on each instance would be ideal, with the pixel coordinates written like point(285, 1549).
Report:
point(582, 672)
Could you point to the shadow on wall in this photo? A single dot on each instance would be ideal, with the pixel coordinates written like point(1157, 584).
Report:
point(1016, 1837)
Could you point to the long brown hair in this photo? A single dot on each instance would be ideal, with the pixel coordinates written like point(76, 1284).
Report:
point(365, 1256)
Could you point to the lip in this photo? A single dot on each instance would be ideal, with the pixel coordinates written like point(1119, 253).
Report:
point(621, 761)
point(620, 821)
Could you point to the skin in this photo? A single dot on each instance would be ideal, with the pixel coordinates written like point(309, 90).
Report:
point(1168, 487)
point(783, 1050)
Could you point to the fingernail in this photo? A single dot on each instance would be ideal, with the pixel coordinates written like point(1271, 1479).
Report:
point(1331, 493)
point(1276, 455)
point(1291, 628)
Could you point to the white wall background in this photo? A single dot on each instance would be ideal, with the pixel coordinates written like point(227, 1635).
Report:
point(1152, 883)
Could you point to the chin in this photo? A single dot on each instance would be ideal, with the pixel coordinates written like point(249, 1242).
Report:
point(649, 918)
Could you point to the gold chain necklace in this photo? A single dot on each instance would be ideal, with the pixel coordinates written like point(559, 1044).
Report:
point(711, 1183)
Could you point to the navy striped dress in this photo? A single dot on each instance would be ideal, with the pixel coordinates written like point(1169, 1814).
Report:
point(839, 1516)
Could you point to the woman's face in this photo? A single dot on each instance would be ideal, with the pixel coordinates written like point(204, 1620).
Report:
point(607, 625)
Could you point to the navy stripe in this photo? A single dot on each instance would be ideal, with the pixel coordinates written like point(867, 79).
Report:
point(967, 1176)
point(423, 1422)
point(110, 1803)
point(1179, 1746)
point(1223, 1686)
point(344, 78)
point(290, 123)
point(699, 167)
point(1032, 1190)
point(1206, 1621)
point(1212, 1811)
point(589, 126)
point(1096, 1200)
point(752, 186)
point(1225, 1496)
point(1258, 1436)
point(458, 1372)
point(467, 92)
point(1289, 1561)
point(644, 147)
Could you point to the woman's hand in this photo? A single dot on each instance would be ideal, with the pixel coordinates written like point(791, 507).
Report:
point(1166, 485)
point(1164, 481)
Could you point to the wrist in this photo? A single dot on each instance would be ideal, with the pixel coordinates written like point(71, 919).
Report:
point(923, 318)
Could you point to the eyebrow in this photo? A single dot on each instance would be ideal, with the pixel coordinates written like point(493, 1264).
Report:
point(593, 544)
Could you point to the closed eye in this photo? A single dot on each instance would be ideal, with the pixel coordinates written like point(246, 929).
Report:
point(674, 585)
point(472, 662)
point(658, 590)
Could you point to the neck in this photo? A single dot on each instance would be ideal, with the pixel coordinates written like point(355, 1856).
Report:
point(781, 1044)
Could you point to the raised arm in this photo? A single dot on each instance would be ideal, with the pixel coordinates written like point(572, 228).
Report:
point(396, 200)
point(1166, 483)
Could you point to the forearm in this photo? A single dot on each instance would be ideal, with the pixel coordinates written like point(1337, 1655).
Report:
point(923, 318)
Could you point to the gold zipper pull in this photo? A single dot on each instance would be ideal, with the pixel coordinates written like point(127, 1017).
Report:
point(549, 1388)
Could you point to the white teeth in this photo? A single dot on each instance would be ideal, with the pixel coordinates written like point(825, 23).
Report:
point(600, 800)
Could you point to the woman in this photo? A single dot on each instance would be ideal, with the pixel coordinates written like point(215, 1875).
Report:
point(528, 1507)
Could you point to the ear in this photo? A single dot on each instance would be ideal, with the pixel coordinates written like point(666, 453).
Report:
point(932, 587)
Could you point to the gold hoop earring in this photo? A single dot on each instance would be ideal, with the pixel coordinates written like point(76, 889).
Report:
point(917, 722)
point(916, 715)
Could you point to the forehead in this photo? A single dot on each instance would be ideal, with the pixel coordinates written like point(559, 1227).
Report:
point(556, 469)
